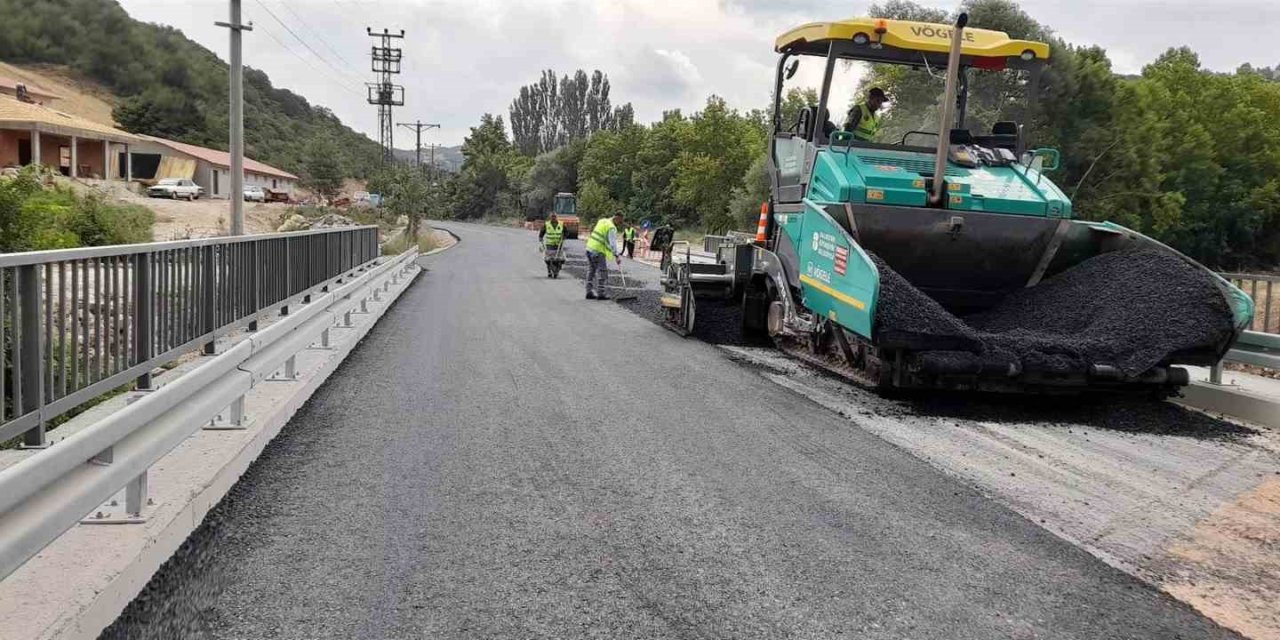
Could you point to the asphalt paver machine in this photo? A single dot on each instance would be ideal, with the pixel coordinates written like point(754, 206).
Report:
point(948, 259)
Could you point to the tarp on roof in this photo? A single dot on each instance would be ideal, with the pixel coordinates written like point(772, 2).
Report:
point(222, 159)
point(175, 167)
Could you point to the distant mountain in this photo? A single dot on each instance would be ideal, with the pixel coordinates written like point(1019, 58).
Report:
point(447, 158)
point(167, 85)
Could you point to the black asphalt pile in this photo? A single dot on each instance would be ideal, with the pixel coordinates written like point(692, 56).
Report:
point(1129, 309)
point(908, 318)
point(717, 322)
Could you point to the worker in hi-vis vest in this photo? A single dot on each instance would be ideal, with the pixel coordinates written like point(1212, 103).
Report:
point(602, 247)
point(552, 237)
point(864, 119)
point(629, 240)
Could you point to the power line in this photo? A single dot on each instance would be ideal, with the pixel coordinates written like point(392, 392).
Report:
point(295, 35)
point(320, 37)
point(345, 84)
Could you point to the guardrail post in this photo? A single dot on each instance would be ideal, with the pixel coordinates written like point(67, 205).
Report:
point(30, 352)
point(207, 318)
point(1215, 373)
point(144, 307)
point(290, 371)
point(235, 418)
point(135, 494)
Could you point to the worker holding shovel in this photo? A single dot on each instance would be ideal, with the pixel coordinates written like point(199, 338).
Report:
point(602, 247)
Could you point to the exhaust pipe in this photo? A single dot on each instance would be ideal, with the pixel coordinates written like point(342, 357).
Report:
point(948, 110)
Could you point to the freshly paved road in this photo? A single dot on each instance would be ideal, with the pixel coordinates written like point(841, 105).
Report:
point(503, 459)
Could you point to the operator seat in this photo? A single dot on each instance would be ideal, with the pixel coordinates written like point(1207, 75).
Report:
point(1004, 135)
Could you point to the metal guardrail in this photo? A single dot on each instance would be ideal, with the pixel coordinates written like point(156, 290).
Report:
point(78, 323)
point(1256, 348)
point(47, 493)
point(1259, 287)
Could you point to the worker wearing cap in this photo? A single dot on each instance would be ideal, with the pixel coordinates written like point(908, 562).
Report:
point(602, 246)
point(551, 236)
point(864, 119)
point(629, 240)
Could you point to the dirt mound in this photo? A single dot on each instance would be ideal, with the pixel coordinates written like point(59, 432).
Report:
point(1129, 309)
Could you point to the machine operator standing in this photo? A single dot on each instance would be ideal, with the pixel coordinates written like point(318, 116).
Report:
point(602, 247)
point(864, 119)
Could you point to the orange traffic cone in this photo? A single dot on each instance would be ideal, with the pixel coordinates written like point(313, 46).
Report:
point(761, 236)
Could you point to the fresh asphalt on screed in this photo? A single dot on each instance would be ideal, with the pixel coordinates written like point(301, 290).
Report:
point(503, 459)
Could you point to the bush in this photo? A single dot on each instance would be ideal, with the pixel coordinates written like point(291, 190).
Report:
point(34, 218)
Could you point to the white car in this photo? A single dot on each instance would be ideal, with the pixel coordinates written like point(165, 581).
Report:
point(255, 194)
point(176, 188)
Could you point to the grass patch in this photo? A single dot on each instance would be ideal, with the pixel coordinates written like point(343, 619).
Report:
point(427, 241)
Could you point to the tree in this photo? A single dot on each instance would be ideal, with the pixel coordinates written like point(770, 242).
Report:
point(594, 202)
point(745, 201)
point(549, 114)
point(407, 192)
point(323, 172)
point(492, 171)
point(795, 101)
point(553, 172)
point(718, 148)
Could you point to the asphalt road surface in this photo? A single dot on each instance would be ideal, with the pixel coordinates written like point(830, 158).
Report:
point(504, 459)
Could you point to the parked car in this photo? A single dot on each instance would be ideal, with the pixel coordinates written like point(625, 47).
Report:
point(176, 188)
point(255, 194)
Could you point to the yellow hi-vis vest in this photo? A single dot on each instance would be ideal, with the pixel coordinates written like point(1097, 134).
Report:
point(554, 235)
point(629, 234)
point(868, 125)
point(599, 240)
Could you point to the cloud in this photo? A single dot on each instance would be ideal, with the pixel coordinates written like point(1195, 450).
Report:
point(660, 72)
point(467, 57)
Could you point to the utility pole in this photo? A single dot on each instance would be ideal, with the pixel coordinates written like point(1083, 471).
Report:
point(237, 118)
point(386, 63)
point(433, 159)
point(418, 127)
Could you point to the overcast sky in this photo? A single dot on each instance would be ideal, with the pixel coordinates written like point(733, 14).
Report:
point(465, 57)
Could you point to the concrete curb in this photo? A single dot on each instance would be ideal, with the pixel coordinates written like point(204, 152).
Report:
point(119, 580)
point(456, 241)
point(1231, 401)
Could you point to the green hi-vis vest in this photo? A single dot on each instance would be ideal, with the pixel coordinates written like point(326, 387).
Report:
point(599, 240)
point(629, 234)
point(554, 234)
point(868, 125)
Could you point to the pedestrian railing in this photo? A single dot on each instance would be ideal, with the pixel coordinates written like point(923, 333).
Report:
point(72, 480)
point(78, 323)
point(1259, 287)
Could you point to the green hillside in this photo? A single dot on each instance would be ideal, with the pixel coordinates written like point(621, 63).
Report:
point(170, 86)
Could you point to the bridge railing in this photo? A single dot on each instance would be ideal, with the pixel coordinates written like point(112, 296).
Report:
point(1260, 288)
point(78, 478)
point(78, 323)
